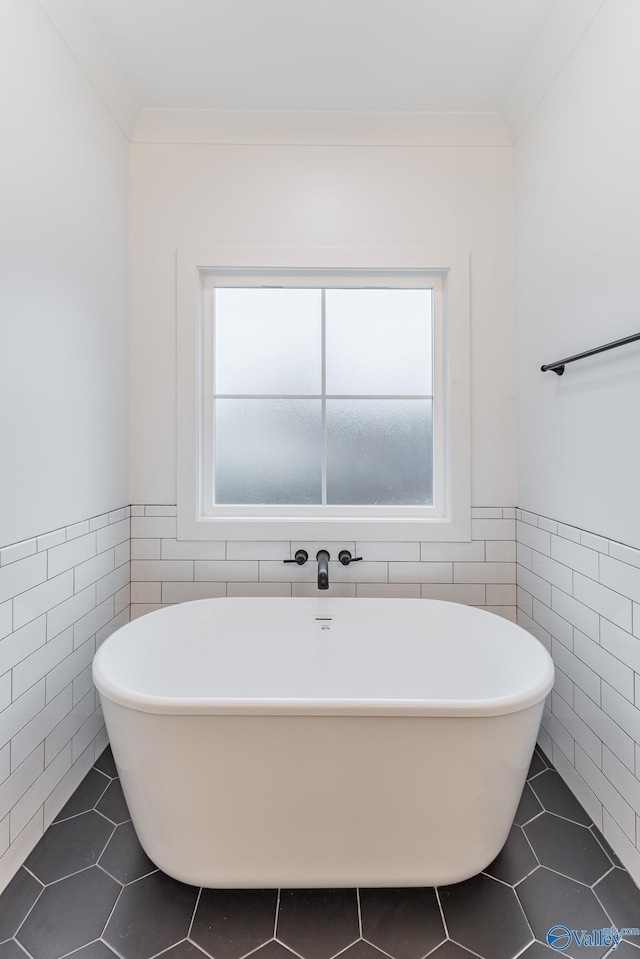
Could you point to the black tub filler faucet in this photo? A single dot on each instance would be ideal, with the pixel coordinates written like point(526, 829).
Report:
point(323, 557)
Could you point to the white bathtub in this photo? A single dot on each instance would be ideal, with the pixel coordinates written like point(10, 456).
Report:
point(322, 742)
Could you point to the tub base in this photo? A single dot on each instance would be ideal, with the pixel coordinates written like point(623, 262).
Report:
point(321, 801)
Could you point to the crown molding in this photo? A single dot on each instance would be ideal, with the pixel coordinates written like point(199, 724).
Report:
point(320, 128)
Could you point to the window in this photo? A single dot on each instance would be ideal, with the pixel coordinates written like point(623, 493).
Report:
point(315, 401)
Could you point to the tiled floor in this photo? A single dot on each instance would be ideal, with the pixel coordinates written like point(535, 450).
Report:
point(89, 889)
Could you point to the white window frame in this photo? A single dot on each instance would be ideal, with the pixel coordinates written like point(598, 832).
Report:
point(449, 519)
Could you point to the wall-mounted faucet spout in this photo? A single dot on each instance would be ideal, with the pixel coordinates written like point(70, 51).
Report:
point(323, 569)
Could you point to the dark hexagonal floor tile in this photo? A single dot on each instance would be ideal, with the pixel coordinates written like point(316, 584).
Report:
point(626, 950)
point(549, 900)
point(568, 848)
point(124, 858)
point(537, 765)
point(485, 916)
point(16, 901)
point(152, 915)
point(86, 795)
point(105, 763)
point(406, 923)
point(69, 846)
point(605, 845)
point(556, 797)
point(95, 950)
point(232, 922)
point(274, 950)
point(620, 897)
point(451, 950)
point(11, 950)
point(516, 859)
point(539, 951)
point(88, 897)
point(528, 807)
point(318, 923)
point(113, 805)
point(184, 950)
point(362, 950)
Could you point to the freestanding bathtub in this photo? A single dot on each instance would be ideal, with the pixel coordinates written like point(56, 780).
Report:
point(322, 742)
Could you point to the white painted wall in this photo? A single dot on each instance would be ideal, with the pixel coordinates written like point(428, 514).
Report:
point(63, 276)
point(577, 198)
point(293, 195)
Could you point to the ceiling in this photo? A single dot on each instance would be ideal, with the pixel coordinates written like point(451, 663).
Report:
point(444, 55)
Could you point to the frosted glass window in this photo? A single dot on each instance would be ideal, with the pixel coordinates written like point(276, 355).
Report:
point(379, 342)
point(322, 396)
point(380, 452)
point(268, 451)
point(267, 341)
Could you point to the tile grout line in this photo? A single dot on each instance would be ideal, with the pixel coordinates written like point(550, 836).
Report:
point(537, 858)
point(156, 955)
point(379, 949)
point(193, 914)
point(466, 948)
point(341, 952)
point(442, 915)
point(275, 918)
point(30, 910)
point(290, 948)
point(435, 949)
point(75, 951)
point(550, 812)
point(92, 809)
point(565, 876)
point(20, 946)
point(524, 912)
point(528, 946)
point(603, 876)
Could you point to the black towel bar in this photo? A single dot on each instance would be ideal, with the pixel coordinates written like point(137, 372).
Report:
point(559, 365)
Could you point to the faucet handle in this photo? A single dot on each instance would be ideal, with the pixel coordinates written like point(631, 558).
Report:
point(345, 557)
point(301, 557)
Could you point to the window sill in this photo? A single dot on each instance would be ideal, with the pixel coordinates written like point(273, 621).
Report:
point(296, 529)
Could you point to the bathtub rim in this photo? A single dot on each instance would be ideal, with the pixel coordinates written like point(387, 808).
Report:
point(182, 706)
